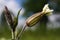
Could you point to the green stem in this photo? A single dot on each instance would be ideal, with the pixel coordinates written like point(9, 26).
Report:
point(13, 35)
point(20, 33)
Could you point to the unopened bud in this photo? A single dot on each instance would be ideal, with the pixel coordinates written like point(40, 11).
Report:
point(31, 21)
point(8, 16)
point(12, 20)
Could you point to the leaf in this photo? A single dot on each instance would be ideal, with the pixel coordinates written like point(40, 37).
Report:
point(16, 18)
point(19, 12)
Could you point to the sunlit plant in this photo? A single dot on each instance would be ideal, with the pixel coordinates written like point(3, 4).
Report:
point(31, 21)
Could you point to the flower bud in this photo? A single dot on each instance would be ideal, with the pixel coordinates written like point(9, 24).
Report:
point(11, 19)
point(8, 16)
point(31, 21)
point(34, 19)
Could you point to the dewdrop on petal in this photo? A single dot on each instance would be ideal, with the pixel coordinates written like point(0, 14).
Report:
point(35, 18)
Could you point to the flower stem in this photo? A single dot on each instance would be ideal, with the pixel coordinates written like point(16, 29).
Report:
point(20, 33)
point(13, 35)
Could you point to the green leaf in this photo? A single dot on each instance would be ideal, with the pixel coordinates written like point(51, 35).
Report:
point(16, 18)
point(19, 12)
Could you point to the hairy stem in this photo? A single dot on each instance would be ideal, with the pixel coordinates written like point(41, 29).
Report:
point(20, 33)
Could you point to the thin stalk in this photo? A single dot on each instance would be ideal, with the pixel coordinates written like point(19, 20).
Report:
point(13, 35)
point(20, 33)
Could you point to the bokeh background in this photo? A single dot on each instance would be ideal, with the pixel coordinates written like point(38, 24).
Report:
point(47, 29)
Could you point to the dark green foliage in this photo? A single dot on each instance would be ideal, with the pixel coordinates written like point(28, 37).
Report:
point(34, 6)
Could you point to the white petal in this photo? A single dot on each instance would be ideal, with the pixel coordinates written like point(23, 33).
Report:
point(46, 9)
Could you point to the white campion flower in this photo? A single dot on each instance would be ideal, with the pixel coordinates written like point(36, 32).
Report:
point(46, 9)
point(35, 18)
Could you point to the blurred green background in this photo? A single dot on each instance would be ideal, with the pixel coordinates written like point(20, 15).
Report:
point(47, 29)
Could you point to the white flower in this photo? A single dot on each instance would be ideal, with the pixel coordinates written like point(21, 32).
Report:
point(46, 9)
